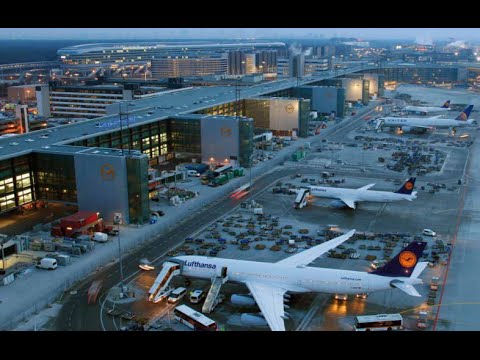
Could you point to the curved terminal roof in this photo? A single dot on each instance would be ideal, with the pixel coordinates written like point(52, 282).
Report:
point(96, 47)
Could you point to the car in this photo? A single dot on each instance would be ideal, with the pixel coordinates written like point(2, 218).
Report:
point(196, 296)
point(146, 265)
point(176, 295)
point(361, 296)
point(377, 263)
point(165, 293)
point(342, 297)
point(429, 232)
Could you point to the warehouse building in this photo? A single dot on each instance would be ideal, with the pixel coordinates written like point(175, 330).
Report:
point(325, 99)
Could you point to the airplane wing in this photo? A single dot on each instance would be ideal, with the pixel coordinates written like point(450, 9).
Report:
point(270, 301)
point(307, 256)
point(422, 126)
point(435, 117)
point(349, 202)
point(366, 187)
point(406, 288)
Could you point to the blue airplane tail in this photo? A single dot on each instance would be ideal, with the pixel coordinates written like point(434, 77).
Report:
point(446, 105)
point(407, 188)
point(404, 263)
point(465, 114)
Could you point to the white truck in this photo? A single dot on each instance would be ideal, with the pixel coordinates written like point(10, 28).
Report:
point(47, 263)
point(100, 237)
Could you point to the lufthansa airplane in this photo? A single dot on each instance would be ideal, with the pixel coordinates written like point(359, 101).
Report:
point(350, 197)
point(268, 283)
point(424, 110)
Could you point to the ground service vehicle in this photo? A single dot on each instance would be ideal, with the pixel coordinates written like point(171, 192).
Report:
point(193, 319)
point(197, 296)
point(177, 294)
point(378, 322)
point(47, 263)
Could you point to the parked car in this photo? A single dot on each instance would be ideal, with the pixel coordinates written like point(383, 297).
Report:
point(176, 295)
point(429, 232)
point(193, 173)
point(197, 296)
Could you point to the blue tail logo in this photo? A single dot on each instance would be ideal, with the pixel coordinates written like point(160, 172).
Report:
point(404, 263)
point(465, 114)
point(446, 105)
point(407, 188)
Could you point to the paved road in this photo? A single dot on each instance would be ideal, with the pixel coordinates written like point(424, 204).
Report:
point(460, 298)
point(76, 314)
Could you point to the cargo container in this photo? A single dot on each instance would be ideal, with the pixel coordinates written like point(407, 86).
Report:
point(77, 222)
point(200, 168)
point(239, 171)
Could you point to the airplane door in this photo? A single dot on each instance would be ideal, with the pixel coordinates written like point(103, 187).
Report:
point(221, 271)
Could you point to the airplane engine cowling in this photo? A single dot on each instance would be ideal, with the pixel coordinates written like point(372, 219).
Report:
point(406, 128)
point(253, 320)
point(337, 204)
point(242, 300)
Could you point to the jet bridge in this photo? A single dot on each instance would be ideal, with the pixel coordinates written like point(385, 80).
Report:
point(212, 297)
point(159, 288)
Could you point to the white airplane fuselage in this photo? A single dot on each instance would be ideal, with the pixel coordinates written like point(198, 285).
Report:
point(425, 109)
point(425, 122)
point(357, 195)
point(295, 279)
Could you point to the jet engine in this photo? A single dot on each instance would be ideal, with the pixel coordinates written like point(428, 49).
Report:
point(253, 320)
point(242, 300)
point(337, 204)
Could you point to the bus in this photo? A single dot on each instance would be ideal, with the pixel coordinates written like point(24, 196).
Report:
point(222, 170)
point(378, 322)
point(193, 319)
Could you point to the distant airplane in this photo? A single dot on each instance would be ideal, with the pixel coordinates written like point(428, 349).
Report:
point(269, 282)
point(409, 123)
point(424, 110)
point(350, 197)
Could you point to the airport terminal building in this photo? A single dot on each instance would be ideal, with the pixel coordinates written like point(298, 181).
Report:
point(106, 53)
point(101, 164)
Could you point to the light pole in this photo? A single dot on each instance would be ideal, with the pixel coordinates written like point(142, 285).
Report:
point(117, 221)
point(3, 258)
point(250, 170)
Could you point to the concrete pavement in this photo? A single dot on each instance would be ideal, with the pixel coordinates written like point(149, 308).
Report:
point(75, 314)
point(460, 298)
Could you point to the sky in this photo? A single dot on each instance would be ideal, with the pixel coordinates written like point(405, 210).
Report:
point(235, 33)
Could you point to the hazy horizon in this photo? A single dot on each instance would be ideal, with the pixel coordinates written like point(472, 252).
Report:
point(94, 34)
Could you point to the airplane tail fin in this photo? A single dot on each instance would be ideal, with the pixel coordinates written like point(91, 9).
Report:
point(446, 105)
point(403, 265)
point(465, 114)
point(407, 188)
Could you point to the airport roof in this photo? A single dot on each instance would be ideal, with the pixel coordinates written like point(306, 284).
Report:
point(210, 117)
point(87, 48)
point(160, 106)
